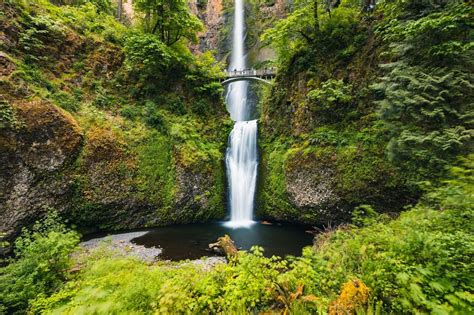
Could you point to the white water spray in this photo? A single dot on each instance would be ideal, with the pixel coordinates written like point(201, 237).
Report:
point(241, 157)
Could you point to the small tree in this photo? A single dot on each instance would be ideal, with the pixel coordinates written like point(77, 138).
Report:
point(170, 20)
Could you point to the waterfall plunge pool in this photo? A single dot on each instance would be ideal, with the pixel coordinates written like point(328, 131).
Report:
point(190, 241)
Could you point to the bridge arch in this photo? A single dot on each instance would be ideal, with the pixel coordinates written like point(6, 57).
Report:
point(261, 75)
point(242, 78)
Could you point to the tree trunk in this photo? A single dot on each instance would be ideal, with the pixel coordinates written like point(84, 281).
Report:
point(316, 18)
point(225, 244)
point(119, 9)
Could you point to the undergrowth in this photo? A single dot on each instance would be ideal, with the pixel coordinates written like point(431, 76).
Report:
point(420, 262)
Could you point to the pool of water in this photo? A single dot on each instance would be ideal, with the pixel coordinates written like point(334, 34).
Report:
point(191, 241)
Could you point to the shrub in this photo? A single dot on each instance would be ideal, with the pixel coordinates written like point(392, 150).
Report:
point(130, 112)
point(41, 263)
point(147, 52)
point(66, 101)
point(330, 102)
point(154, 118)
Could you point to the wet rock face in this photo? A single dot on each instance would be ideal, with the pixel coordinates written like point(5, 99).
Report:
point(50, 139)
point(44, 142)
point(191, 189)
point(103, 155)
point(214, 20)
point(311, 187)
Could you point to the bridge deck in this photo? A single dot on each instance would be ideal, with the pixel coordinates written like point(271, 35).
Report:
point(261, 73)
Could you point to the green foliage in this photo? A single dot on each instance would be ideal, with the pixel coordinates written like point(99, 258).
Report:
point(426, 94)
point(156, 170)
point(303, 34)
point(41, 32)
point(123, 285)
point(40, 266)
point(288, 35)
point(329, 102)
point(154, 118)
point(364, 215)
point(130, 112)
point(169, 20)
point(272, 185)
point(147, 52)
point(8, 118)
point(101, 5)
point(102, 99)
point(87, 17)
point(204, 75)
point(34, 76)
point(66, 101)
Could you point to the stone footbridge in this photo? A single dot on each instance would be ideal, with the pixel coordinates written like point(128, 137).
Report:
point(263, 75)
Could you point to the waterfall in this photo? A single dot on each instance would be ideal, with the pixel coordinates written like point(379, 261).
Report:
point(241, 157)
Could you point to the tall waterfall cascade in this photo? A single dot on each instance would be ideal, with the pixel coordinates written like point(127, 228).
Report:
point(241, 157)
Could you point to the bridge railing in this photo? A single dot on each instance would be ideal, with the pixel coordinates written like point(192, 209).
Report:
point(268, 72)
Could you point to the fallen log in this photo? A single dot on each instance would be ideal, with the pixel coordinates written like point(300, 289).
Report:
point(224, 245)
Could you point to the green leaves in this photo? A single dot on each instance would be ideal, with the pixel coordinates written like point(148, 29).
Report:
point(331, 101)
point(169, 20)
point(425, 97)
point(42, 261)
point(147, 52)
point(428, 113)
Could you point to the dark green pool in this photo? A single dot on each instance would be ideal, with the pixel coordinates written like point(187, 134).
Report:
point(191, 241)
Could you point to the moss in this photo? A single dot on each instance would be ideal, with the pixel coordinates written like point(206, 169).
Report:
point(156, 171)
point(217, 192)
point(8, 118)
point(272, 193)
point(355, 158)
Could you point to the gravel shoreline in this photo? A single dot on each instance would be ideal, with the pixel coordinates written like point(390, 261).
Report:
point(123, 244)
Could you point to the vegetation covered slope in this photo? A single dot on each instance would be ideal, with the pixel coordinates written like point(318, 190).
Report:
point(106, 122)
point(367, 104)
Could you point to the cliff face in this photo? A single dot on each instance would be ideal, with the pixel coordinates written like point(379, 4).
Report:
point(261, 15)
point(69, 140)
point(34, 151)
point(324, 155)
point(211, 13)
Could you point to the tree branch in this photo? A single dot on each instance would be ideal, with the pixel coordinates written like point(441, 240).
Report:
point(308, 38)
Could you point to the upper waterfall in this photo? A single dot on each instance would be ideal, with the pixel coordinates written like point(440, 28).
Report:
point(236, 98)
